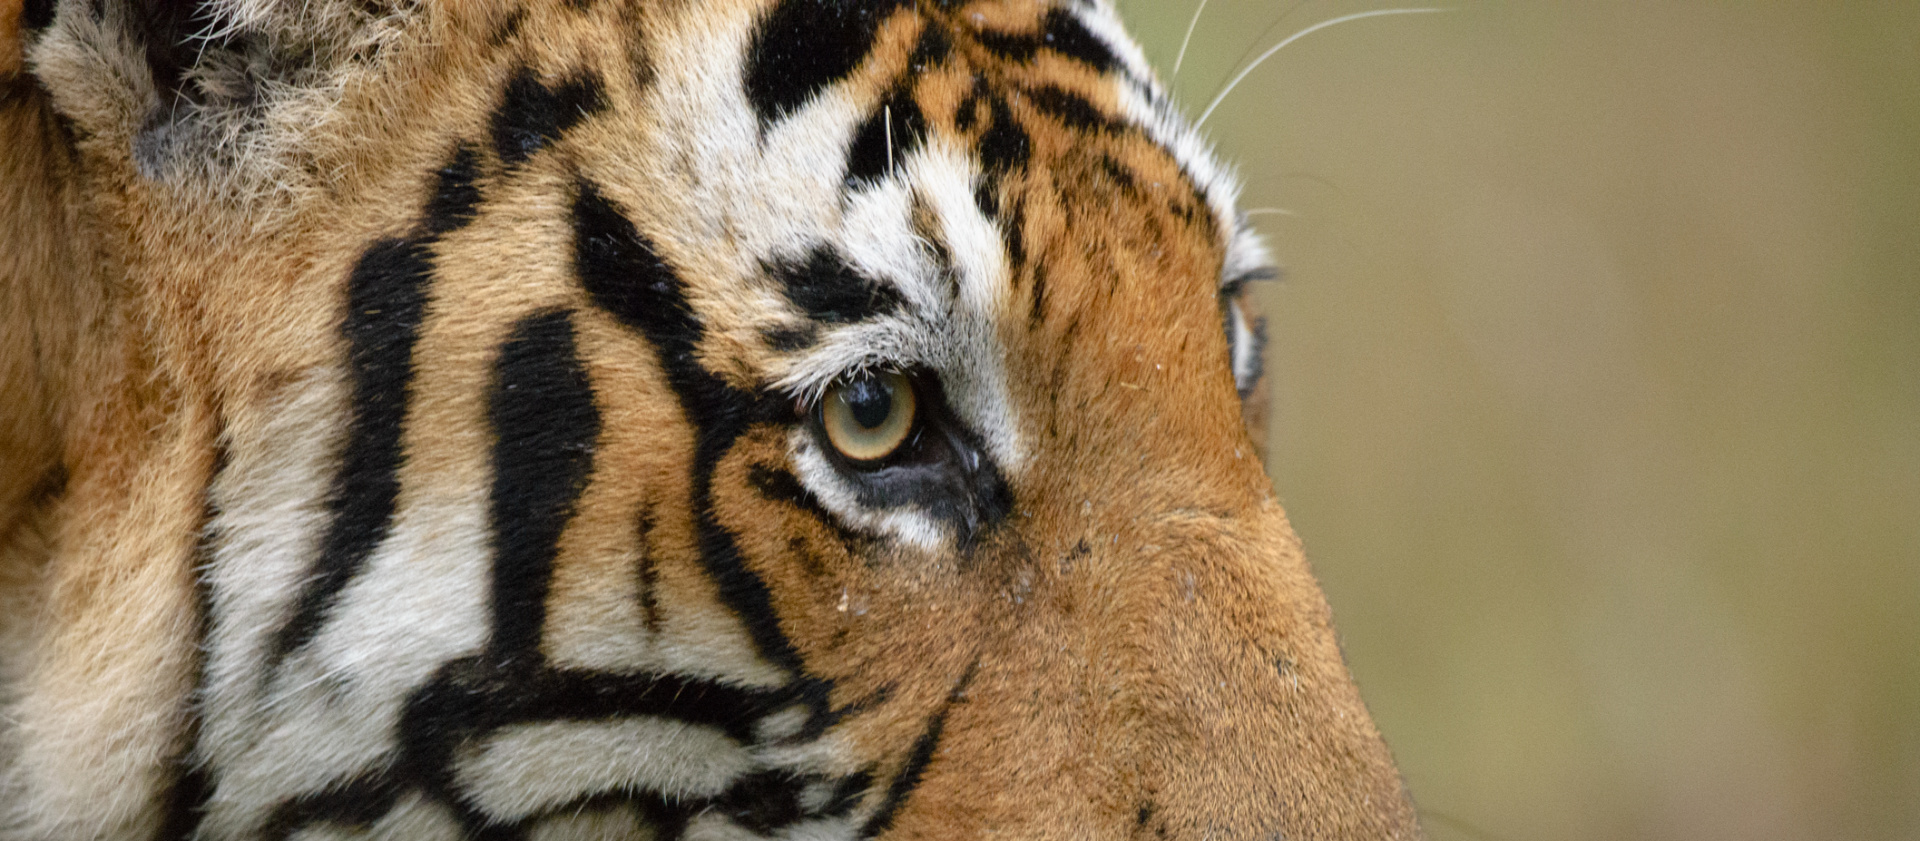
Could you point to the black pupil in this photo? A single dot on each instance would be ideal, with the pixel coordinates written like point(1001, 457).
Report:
point(870, 401)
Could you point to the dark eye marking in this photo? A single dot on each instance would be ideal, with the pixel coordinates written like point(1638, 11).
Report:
point(779, 485)
point(940, 467)
point(827, 289)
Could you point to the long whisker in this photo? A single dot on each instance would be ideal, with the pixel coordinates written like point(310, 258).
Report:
point(1295, 37)
point(1241, 59)
point(1191, 22)
point(1266, 211)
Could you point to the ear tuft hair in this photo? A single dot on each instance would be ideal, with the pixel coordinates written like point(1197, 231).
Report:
point(211, 94)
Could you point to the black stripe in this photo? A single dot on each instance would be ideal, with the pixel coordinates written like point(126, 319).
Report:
point(932, 49)
point(1061, 32)
point(1037, 308)
point(1010, 46)
point(1004, 146)
point(471, 698)
point(1072, 109)
point(387, 297)
point(353, 804)
point(1014, 229)
point(789, 338)
point(763, 802)
point(778, 484)
point(532, 115)
point(1120, 175)
point(625, 276)
point(36, 15)
point(456, 198)
point(544, 424)
point(1065, 34)
point(968, 111)
point(916, 765)
point(805, 46)
point(828, 289)
point(846, 795)
point(884, 141)
point(386, 300)
point(187, 793)
point(648, 573)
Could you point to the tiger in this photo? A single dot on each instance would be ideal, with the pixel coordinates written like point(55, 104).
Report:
point(641, 419)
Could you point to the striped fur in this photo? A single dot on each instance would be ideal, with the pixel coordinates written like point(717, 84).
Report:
point(407, 434)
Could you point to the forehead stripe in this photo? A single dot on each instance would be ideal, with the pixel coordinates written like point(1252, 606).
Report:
point(532, 115)
point(625, 276)
point(804, 46)
point(888, 136)
point(1072, 109)
point(1061, 33)
point(829, 290)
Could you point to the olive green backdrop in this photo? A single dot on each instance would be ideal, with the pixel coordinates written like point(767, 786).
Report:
point(1597, 395)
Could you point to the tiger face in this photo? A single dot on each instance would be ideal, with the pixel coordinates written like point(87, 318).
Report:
point(802, 419)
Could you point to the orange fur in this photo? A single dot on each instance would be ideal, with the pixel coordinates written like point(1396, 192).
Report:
point(1140, 651)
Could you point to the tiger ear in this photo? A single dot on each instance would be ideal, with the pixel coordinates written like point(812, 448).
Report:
point(208, 92)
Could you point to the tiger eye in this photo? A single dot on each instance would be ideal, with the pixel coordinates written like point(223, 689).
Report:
point(867, 418)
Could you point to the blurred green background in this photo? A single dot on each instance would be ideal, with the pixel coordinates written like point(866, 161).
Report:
point(1597, 395)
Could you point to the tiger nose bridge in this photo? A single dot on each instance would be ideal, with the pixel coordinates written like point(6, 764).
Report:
point(1181, 681)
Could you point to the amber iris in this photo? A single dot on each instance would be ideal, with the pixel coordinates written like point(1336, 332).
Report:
point(868, 417)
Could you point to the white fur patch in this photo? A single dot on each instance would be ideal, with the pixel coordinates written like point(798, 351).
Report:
point(414, 818)
point(528, 768)
point(618, 824)
point(903, 525)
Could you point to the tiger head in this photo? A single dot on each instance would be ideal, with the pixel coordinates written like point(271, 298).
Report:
point(751, 418)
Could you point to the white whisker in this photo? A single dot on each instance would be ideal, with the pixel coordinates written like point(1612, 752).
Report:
point(1268, 211)
point(1295, 37)
point(1191, 22)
